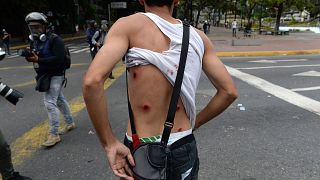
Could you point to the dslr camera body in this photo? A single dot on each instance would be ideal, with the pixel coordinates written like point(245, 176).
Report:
point(25, 52)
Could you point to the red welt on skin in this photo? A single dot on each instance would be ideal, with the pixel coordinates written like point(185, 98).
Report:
point(146, 107)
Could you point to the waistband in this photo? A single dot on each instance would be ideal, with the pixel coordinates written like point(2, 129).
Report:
point(186, 139)
point(173, 137)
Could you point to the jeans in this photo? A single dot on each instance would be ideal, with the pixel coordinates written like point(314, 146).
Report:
point(183, 158)
point(7, 47)
point(93, 51)
point(234, 32)
point(6, 168)
point(55, 103)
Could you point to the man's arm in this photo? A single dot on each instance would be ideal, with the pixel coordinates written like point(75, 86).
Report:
point(222, 81)
point(94, 37)
point(116, 45)
point(5, 36)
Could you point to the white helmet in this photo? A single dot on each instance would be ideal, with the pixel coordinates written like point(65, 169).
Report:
point(36, 17)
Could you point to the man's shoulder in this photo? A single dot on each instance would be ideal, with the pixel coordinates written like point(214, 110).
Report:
point(54, 37)
point(131, 21)
point(200, 33)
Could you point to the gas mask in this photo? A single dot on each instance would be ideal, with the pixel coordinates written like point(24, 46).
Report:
point(37, 31)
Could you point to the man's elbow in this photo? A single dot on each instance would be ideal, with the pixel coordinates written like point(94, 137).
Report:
point(232, 94)
point(90, 83)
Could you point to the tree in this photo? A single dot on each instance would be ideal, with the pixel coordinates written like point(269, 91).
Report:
point(282, 5)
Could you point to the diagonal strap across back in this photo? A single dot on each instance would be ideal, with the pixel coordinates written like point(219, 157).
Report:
point(174, 97)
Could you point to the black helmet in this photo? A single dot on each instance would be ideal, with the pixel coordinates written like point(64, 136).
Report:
point(36, 17)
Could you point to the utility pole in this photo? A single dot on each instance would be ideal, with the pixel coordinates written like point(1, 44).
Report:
point(260, 19)
point(190, 11)
point(235, 9)
point(76, 4)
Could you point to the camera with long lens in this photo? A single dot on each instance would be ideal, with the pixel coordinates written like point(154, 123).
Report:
point(10, 94)
point(25, 52)
point(2, 54)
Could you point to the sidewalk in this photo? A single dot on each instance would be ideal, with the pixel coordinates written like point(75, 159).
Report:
point(66, 37)
point(292, 44)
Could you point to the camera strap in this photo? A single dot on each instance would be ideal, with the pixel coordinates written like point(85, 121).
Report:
point(168, 125)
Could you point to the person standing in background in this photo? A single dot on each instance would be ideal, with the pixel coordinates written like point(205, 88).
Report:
point(98, 40)
point(234, 28)
point(6, 40)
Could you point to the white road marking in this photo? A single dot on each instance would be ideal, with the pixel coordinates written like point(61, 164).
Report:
point(12, 56)
point(306, 89)
point(81, 50)
point(308, 73)
point(278, 60)
point(263, 61)
point(72, 50)
point(278, 91)
point(271, 67)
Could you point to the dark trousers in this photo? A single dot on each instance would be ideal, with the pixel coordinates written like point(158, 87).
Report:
point(234, 32)
point(183, 156)
point(7, 47)
point(93, 51)
point(6, 168)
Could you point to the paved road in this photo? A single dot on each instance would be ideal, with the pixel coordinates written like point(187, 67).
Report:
point(270, 132)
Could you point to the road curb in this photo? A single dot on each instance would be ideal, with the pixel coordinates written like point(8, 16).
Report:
point(64, 39)
point(267, 53)
point(220, 54)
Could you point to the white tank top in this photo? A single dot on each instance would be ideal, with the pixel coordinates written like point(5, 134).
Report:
point(168, 61)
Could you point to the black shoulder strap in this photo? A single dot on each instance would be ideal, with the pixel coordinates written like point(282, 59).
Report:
point(177, 85)
point(52, 37)
point(175, 94)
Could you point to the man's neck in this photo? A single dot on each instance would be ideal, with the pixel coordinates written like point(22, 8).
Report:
point(163, 11)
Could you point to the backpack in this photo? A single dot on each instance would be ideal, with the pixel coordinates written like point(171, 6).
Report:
point(90, 32)
point(99, 35)
point(67, 57)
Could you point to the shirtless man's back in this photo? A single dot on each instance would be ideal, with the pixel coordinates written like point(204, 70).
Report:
point(149, 88)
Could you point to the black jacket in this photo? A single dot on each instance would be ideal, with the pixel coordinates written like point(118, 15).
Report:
point(51, 55)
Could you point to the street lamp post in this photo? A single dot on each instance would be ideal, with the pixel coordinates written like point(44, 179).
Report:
point(76, 4)
point(260, 19)
point(235, 9)
point(190, 13)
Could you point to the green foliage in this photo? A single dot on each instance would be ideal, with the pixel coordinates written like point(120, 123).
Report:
point(293, 22)
point(268, 20)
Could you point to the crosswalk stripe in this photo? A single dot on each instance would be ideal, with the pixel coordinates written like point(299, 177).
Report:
point(85, 49)
point(272, 67)
point(278, 60)
point(278, 91)
point(72, 48)
point(13, 56)
point(306, 89)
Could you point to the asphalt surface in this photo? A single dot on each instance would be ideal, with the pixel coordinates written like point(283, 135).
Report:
point(265, 134)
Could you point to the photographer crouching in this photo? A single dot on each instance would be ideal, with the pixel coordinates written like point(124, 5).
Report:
point(6, 167)
point(47, 52)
